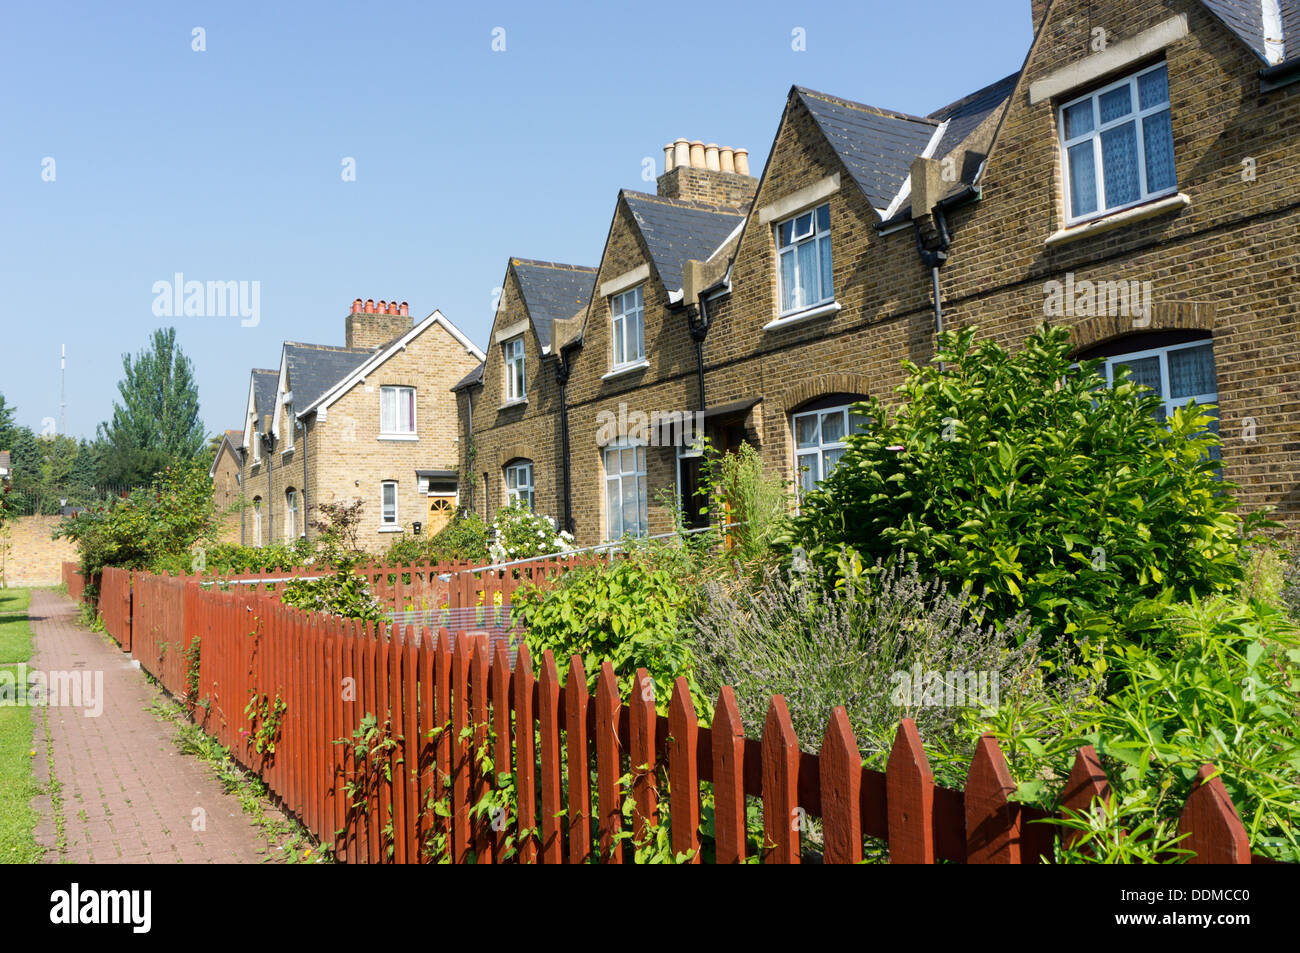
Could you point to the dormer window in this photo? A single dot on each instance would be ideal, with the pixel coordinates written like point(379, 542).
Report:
point(397, 412)
point(288, 427)
point(1118, 145)
point(804, 255)
point(512, 353)
point(627, 327)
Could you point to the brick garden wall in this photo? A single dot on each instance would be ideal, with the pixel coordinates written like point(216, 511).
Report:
point(27, 554)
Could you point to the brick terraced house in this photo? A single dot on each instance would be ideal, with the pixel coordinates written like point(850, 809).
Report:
point(1137, 179)
point(374, 420)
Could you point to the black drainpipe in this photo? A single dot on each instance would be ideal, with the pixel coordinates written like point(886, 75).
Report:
point(562, 371)
point(932, 258)
point(268, 448)
point(469, 441)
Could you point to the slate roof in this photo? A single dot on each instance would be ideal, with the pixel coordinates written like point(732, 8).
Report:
point(315, 368)
point(876, 146)
point(552, 292)
point(965, 115)
point(264, 386)
point(473, 377)
point(677, 230)
point(1246, 19)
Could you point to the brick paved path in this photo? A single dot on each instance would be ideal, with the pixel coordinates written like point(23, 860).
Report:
point(128, 795)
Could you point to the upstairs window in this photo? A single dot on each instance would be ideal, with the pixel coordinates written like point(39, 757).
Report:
point(257, 521)
point(819, 442)
point(396, 411)
point(627, 311)
point(1118, 145)
point(804, 252)
point(519, 483)
point(288, 426)
point(516, 385)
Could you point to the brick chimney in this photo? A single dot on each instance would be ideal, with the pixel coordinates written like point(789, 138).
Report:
point(371, 325)
point(718, 175)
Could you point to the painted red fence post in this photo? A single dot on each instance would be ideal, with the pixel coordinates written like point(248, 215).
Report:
point(909, 784)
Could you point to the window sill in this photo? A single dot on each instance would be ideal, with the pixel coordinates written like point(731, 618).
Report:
point(286, 453)
point(1128, 216)
point(626, 369)
point(517, 402)
point(807, 314)
point(390, 529)
point(399, 436)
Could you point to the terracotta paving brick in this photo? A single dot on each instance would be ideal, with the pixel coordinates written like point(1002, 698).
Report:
point(128, 795)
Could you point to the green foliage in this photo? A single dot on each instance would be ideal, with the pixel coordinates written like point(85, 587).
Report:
point(629, 612)
point(520, 534)
point(741, 492)
point(343, 593)
point(1037, 486)
point(233, 559)
point(265, 714)
point(157, 418)
point(149, 527)
point(1125, 830)
point(463, 539)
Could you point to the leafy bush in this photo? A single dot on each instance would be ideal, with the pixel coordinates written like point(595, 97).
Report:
point(463, 539)
point(741, 492)
point(629, 612)
point(343, 592)
point(148, 528)
point(233, 559)
point(521, 534)
point(1037, 486)
point(884, 645)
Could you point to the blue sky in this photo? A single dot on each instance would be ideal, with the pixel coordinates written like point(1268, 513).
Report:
point(226, 164)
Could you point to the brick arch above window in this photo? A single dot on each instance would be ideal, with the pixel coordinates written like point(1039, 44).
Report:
point(823, 386)
point(514, 452)
point(1090, 333)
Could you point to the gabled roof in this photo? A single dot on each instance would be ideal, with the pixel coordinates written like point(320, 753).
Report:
point(315, 368)
point(552, 292)
point(677, 230)
point(1249, 20)
point(473, 377)
point(876, 146)
point(965, 115)
point(264, 382)
point(233, 439)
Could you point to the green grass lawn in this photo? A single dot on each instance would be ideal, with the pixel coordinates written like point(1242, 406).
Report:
point(17, 787)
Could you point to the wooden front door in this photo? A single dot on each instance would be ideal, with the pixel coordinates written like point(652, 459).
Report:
point(441, 509)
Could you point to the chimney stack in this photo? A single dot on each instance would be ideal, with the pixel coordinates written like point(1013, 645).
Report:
point(372, 325)
point(713, 174)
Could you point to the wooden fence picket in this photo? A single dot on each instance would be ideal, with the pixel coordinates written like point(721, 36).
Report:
point(992, 818)
point(525, 756)
point(641, 748)
point(782, 814)
point(1211, 822)
point(841, 787)
point(548, 714)
point(728, 742)
point(609, 765)
point(909, 784)
point(579, 763)
point(683, 772)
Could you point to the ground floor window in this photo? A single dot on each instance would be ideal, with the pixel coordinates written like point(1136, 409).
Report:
point(388, 498)
point(819, 441)
point(626, 510)
point(1179, 373)
point(519, 483)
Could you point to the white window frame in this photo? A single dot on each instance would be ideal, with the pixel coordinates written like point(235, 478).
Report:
point(1137, 116)
point(290, 514)
point(257, 522)
point(820, 449)
point(521, 471)
point(288, 427)
point(1171, 403)
point(614, 526)
point(512, 352)
point(387, 519)
point(820, 236)
point(397, 433)
point(624, 308)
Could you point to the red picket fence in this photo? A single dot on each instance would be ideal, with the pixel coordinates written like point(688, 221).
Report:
point(160, 640)
point(115, 605)
point(296, 685)
point(75, 581)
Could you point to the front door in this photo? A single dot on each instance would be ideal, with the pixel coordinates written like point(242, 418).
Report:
point(441, 509)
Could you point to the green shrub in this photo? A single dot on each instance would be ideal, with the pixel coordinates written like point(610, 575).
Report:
point(757, 502)
point(464, 539)
point(343, 592)
point(149, 528)
point(629, 612)
point(1038, 487)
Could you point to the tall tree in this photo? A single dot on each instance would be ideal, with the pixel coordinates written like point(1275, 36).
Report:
point(157, 419)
